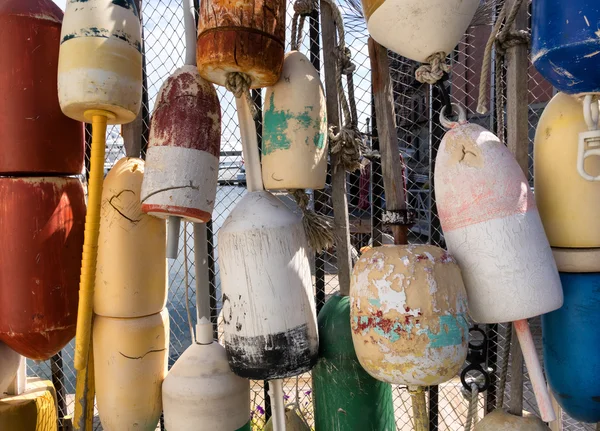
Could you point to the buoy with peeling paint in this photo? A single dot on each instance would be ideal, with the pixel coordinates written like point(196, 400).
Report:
point(568, 203)
point(408, 310)
point(565, 44)
point(571, 339)
point(182, 163)
point(294, 150)
point(34, 134)
point(131, 274)
point(499, 420)
point(269, 317)
point(130, 360)
point(111, 78)
point(492, 227)
point(247, 37)
point(417, 29)
point(41, 232)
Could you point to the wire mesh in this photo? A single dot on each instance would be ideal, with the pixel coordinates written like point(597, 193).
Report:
point(418, 133)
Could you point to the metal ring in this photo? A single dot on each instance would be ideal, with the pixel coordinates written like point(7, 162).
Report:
point(462, 117)
point(483, 341)
point(475, 367)
point(591, 111)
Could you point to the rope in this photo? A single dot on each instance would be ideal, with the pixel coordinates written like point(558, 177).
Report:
point(433, 71)
point(502, 38)
point(318, 228)
point(348, 141)
point(239, 84)
point(302, 8)
point(186, 281)
point(504, 368)
point(472, 414)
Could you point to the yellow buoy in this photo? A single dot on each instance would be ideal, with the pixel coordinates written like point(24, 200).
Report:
point(33, 410)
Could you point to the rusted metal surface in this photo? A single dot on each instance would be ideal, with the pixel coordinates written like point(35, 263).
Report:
point(35, 136)
point(244, 37)
point(42, 239)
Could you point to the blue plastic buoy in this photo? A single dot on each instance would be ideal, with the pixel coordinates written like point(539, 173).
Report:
point(572, 345)
point(566, 44)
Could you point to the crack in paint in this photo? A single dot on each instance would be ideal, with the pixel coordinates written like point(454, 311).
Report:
point(144, 355)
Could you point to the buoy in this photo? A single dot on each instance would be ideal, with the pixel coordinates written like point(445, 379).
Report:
point(499, 420)
point(492, 227)
point(33, 130)
point(130, 360)
point(9, 365)
point(565, 44)
point(570, 340)
point(293, 422)
point(33, 410)
point(270, 325)
point(111, 78)
point(577, 259)
point(42, 237)
point(408, 310)
point(247, 37)
point(417, 29)
point(338, 373)
point(131, 275)
point(294, 150)
point(568, 203)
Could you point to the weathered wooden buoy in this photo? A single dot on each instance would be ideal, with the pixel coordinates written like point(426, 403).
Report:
point(182, 163)
point(570, 344)
point(338, 373)
point(294, 150)
point(247, 37)
point(130, 359)
point(9, 365)
point(492, 226)
point(499, 420)
point(417, 29)
point(131, 275)
point(201, 393)
point(408, 310)
point(568, 203)
point(42, 237)
point(111, 78)
point(33, 130)
point(268, 310)
point(565, 44)
point(33, 410)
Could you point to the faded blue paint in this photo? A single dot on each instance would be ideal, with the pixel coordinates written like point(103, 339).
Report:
point(104, 33)
point(375, 302)
point(452, 331)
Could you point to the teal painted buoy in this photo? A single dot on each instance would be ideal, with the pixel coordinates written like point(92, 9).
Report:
point(346, 398)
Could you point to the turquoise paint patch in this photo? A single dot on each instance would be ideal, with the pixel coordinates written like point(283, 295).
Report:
point(375, 302)
point(127, 4)
point(104, 33)
point(453, 329)
point(276, 124)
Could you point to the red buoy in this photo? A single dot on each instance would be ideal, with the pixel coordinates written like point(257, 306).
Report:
point(35, 136)
point(42, 239)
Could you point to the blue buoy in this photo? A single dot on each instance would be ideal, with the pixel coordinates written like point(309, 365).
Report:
point(566, 44)
point(572, 346)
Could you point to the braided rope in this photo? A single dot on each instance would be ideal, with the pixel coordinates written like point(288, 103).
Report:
point(433, 71)
point(302, 8)
point(239, 84)
point(472, 414)
point(318, 228)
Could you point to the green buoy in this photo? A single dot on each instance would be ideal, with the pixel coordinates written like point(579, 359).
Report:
point(346, 397)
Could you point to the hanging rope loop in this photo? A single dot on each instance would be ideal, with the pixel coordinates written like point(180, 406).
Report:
point(302, 8)
point(318, 228)
point(239, 84)
point(434, 70)
point(472, 414)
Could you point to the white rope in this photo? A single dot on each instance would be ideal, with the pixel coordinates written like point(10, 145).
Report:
point(472, 414)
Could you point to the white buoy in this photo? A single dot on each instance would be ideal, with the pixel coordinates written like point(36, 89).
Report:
point(131, 274)
point(294, 149)
point(9, 366)
point(499, 420)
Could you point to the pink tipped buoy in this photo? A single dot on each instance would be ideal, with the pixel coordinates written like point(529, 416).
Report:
point(492, 227)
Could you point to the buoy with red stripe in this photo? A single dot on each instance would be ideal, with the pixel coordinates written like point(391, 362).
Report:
point(294, 149)
point(42, 236)
point(35, 136)
point(492, 227)
point(417, 29)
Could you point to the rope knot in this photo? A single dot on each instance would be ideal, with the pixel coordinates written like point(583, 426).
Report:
point(433, 71)
point(305, 7)
point(508, 39)
point(348, 142)
point(318, 228)
point(345, 61)
point(239, 84)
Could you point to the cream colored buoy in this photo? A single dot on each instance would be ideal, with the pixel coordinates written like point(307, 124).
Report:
point(569, 204)
point(183, 150)
point(408, 310)
point(294, 150)
point(417, 29)
point(269, 317)
point(130, 359)
point(131, 274)
point(499, 420)
point(201, 393)
point(100, 63)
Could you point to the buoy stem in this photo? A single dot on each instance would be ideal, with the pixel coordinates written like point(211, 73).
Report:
point(536, 375)
point(249, 146)
point(419, 406)
point(202, 279)
point(277, 404)
point(189, 13)
point(173, 225)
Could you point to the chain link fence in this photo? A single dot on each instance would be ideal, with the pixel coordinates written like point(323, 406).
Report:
point(419, 134)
